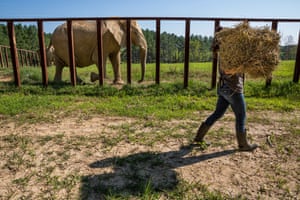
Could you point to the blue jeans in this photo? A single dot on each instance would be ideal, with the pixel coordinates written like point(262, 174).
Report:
point(227, 97)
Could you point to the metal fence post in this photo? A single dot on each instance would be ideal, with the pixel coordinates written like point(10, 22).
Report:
point(100, 52)
point(274, 28)
point(128, 39)
point(6, 57)
point(297, 63)
point(1, 57)
point(21, 57)
point(14, 53)
point(71, 52)
point(43, 58)
point(215, 60)
point(187, 53)
point(157, 69)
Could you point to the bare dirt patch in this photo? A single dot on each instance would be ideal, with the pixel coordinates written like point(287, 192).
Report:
point(88, 158)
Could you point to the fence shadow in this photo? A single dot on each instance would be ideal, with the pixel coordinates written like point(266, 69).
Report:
point(133, 174)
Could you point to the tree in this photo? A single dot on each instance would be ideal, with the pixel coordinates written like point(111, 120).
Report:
point(26, 36)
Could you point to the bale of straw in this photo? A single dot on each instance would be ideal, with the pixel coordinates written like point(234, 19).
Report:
point(243, 49)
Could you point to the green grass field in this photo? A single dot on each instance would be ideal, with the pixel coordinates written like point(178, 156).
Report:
point(151, 115)
point(33, 97)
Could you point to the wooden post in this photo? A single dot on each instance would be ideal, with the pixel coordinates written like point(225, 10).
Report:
point(274, 28)
point(100, 52)
point(42, 51)
point(71, 53)
point(297, 63)
point(128, 39)
point(14, 53)
point(157, 69)
point(186, 53)
point(215, 60)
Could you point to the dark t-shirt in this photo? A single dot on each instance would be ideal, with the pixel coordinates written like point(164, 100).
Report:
point(234, 81)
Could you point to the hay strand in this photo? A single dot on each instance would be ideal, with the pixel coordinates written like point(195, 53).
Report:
point(243, 49)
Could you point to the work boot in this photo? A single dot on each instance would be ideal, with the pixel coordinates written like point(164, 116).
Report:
point(243, 143)
point(202, 130)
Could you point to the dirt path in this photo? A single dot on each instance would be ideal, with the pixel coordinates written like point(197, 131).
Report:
point(72, 157)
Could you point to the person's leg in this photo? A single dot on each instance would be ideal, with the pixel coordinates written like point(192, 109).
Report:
point(238, 106)
point(221, 107)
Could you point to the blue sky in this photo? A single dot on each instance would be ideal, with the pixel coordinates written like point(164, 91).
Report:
point(159, 8)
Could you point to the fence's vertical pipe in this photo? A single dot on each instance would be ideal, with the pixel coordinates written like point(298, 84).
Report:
point(215, 60)
point(157, 40)
point(31, 58)
point(37, 59)
point(6, 57)
point(274, 28)
point(14, 53)
point(1, 57)
point(71, 53)
point(26, 58)
point(21, 57)
point(128, 39)
point(297, 63)
point(100, 52)
point(43, 58)
point(186, 53)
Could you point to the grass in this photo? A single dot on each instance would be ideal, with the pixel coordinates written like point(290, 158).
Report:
point(165, 101)
point(154, 109)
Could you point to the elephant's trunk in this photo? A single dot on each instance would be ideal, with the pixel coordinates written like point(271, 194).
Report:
point(143, 57)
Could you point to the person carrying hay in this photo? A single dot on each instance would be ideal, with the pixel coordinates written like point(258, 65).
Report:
point(230, 93)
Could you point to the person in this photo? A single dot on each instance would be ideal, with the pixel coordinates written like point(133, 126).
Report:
point(230, 92)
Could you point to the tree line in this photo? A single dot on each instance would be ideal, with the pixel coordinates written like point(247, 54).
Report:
point(171, 45)
point(26, 36)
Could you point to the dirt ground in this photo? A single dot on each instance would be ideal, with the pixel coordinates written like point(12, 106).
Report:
point(70, 157)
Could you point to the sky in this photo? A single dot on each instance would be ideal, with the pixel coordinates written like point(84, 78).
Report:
point(281, 9)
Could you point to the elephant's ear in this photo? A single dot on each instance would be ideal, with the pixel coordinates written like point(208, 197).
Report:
point(115, 28)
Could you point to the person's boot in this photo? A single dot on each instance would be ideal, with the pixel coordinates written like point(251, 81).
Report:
point(243, 143)
point(202, 130)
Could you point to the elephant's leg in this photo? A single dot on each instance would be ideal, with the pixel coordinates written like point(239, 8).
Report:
point(78, 79)
point(58, 70)
point(94, 76)
point(115, 59)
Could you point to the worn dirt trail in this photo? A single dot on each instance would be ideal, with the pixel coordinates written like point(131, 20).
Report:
point(78, 147)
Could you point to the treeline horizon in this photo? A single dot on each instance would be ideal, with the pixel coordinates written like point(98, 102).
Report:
point(171, 45)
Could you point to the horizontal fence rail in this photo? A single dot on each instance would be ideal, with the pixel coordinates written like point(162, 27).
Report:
point(27, 57)
point(42, 52)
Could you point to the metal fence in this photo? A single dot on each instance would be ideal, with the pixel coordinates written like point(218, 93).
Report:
point(43, 62)
point(26, 57)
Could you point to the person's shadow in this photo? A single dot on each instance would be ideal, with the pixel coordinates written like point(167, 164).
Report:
point(136, 173)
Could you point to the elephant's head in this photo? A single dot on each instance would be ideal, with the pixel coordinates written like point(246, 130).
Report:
point(50, 55)
point(119, 30)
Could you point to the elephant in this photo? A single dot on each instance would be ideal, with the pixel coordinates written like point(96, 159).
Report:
point(114, 33)
point(50, 55)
